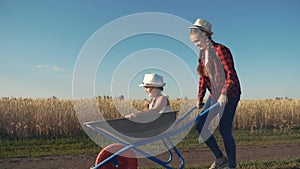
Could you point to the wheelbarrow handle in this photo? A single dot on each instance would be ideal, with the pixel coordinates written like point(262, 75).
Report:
point(195, 108)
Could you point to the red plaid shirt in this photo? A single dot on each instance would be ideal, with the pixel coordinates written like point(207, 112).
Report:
point(228, 85)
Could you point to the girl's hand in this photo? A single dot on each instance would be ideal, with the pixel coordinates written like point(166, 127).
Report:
point(223, 100)
point(199, 104)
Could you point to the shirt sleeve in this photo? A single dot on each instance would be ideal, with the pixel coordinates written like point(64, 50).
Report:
point(160, 103)
point(227, 62)
point(202, 89)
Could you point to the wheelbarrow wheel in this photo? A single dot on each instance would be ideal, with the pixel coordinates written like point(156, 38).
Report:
point(125, 160)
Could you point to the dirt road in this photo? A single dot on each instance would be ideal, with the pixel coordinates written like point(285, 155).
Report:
point(193, 157)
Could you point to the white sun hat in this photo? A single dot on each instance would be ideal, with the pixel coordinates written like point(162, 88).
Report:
point(153, 80)
point(203, 25)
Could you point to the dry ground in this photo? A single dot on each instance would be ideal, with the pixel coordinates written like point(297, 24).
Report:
point(193, 157)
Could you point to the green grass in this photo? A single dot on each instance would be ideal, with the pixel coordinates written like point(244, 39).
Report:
point(248, 138)
point(83, 145)
point(43, 147)
point(272, 164)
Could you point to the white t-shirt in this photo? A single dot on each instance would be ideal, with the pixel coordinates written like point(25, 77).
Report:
point(155, 101)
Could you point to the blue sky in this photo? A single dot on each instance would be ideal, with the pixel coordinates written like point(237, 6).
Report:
point(40, 42)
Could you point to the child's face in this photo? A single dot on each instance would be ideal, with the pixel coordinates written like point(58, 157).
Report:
point(151, 91)
point(148, 90)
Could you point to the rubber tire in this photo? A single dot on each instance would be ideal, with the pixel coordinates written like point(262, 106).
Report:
point(126, 159)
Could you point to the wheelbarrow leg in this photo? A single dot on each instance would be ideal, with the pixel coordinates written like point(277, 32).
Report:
point(169, 152)
point(177, 153)
point(160, 162)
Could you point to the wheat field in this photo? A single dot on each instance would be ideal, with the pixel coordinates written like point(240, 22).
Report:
point(27, 118)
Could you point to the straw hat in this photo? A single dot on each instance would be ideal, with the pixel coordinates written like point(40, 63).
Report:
point(203, 25)
point(153, 80)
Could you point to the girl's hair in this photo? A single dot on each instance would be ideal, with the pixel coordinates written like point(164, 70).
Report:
point(199, 31)
point(199, 68)
point(199, 71)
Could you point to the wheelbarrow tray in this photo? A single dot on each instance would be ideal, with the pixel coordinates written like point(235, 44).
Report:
point(135, 127)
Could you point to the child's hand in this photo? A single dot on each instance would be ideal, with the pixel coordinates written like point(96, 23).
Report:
point(132, 115)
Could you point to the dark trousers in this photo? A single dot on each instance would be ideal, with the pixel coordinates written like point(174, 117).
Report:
point(226, 115)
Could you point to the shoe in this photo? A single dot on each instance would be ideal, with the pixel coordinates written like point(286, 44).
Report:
point(219, 163)
point(229, 168)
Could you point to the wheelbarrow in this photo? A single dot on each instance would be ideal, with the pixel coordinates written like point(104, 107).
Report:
point(130, 135)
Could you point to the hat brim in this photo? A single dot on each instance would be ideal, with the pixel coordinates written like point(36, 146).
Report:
point(152, 85)
point(198, 27)
point(193, 27)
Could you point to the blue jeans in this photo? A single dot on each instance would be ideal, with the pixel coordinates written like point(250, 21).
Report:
point(225, 128)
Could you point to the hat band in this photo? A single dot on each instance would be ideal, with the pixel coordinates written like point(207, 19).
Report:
point(203, 29)
point(151, 84)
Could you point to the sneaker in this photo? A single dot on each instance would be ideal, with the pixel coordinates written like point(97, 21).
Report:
point(219, 163)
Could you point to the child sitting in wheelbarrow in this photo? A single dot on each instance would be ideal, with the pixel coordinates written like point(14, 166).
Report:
point(154, 85)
